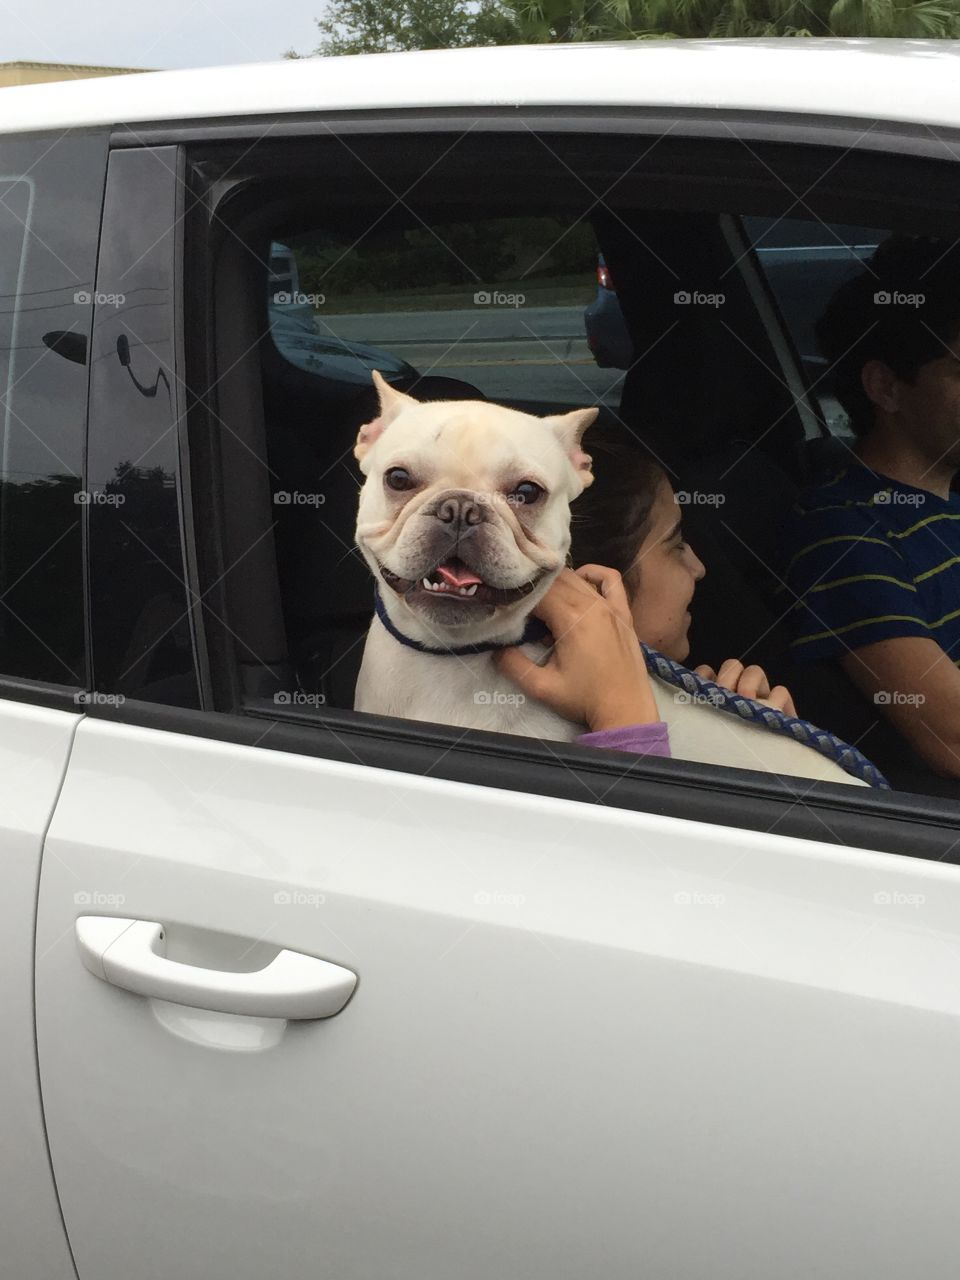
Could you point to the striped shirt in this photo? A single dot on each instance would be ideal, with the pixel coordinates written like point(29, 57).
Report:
point(869, 559)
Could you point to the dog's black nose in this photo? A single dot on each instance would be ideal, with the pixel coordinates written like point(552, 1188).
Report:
point(459, 509)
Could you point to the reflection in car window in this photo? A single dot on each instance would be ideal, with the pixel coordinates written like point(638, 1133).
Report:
point(805, 262)
point(513, 306)
point(50, 195)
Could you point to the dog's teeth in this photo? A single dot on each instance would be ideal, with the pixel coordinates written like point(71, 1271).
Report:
point(427, 584)
point(472, 590)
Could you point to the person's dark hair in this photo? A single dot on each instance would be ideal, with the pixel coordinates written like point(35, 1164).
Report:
point(612, 517)
point(876, 316)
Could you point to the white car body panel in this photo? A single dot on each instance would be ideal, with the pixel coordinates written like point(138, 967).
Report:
point(903, 80)
point(34, 747)
point(584, 1041)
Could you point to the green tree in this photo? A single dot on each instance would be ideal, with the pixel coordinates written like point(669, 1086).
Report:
point(375, 26)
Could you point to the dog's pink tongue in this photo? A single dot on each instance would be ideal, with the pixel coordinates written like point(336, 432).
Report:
point(457, 575)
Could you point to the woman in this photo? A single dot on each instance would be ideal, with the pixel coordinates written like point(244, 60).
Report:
point(646, 575)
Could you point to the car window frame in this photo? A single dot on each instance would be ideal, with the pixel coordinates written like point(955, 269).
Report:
point(907, 823)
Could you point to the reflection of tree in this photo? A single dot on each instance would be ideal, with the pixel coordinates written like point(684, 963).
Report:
point(41, 579)
point(141, 632)
point(414, 259)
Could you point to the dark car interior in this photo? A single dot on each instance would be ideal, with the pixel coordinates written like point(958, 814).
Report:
point(706, 392)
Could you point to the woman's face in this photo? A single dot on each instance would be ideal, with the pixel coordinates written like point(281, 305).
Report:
point(662, 580)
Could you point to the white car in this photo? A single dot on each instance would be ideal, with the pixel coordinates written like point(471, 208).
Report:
point(288, 990)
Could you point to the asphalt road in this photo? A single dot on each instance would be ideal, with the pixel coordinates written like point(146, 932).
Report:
point(508, 352)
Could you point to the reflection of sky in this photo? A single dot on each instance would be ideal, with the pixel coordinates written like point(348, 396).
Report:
point(16, 204)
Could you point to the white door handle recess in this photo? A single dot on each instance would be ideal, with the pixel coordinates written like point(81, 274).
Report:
point(129, 954)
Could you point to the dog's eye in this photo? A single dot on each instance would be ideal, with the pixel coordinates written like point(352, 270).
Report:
point(398, 478)
point(525, 493)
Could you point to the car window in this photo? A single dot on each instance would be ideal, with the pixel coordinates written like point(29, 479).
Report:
point(805, 262)
point(51, 190)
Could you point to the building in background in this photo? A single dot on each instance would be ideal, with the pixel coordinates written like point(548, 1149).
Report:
point(44, 72)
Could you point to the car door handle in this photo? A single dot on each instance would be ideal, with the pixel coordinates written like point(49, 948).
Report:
point(129, 954)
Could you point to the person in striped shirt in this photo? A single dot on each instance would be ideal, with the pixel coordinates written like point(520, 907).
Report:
point(873, 553)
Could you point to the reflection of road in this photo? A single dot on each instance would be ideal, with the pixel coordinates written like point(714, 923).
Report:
point(508, 352)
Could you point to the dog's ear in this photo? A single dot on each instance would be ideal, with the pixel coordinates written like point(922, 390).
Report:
point(569, 429)
point(392, 403)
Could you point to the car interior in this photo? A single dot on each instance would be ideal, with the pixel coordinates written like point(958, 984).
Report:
point(722, 394)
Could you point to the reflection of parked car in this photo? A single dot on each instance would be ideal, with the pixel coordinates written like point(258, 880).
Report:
point(295, 336)
point(607, 334)
point(801, 293)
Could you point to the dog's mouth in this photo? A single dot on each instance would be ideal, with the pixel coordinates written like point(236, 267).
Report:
point(454, 580)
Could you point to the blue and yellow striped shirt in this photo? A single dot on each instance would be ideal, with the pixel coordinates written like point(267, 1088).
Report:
point(869, 559)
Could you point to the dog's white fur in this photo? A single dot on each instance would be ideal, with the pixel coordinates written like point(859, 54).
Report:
point(477, 451)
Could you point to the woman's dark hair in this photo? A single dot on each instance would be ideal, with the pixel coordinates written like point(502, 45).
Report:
point(903, 310)
point(612, 517)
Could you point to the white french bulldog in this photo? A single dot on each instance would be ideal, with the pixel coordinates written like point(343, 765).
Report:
point(464, 520)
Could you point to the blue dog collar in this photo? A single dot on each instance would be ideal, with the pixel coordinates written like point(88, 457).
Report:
point(534, 630)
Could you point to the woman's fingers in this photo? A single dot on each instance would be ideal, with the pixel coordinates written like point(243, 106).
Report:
point(753, 683)
point(573, 594)
point(729, 673)
point(781, 699)
point(705, 673)
point(610, 585)
point(534, 680)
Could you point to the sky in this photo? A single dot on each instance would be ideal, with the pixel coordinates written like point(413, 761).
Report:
point(161, 34)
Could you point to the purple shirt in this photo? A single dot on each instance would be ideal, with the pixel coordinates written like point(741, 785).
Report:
point(642, 739)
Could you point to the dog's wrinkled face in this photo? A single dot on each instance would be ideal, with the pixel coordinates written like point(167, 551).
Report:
point(464, 515)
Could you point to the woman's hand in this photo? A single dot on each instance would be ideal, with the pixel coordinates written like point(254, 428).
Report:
point(595, 674)
point(751, 682)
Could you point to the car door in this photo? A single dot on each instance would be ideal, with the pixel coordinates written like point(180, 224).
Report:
point(51, 186)
point(356, 998)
